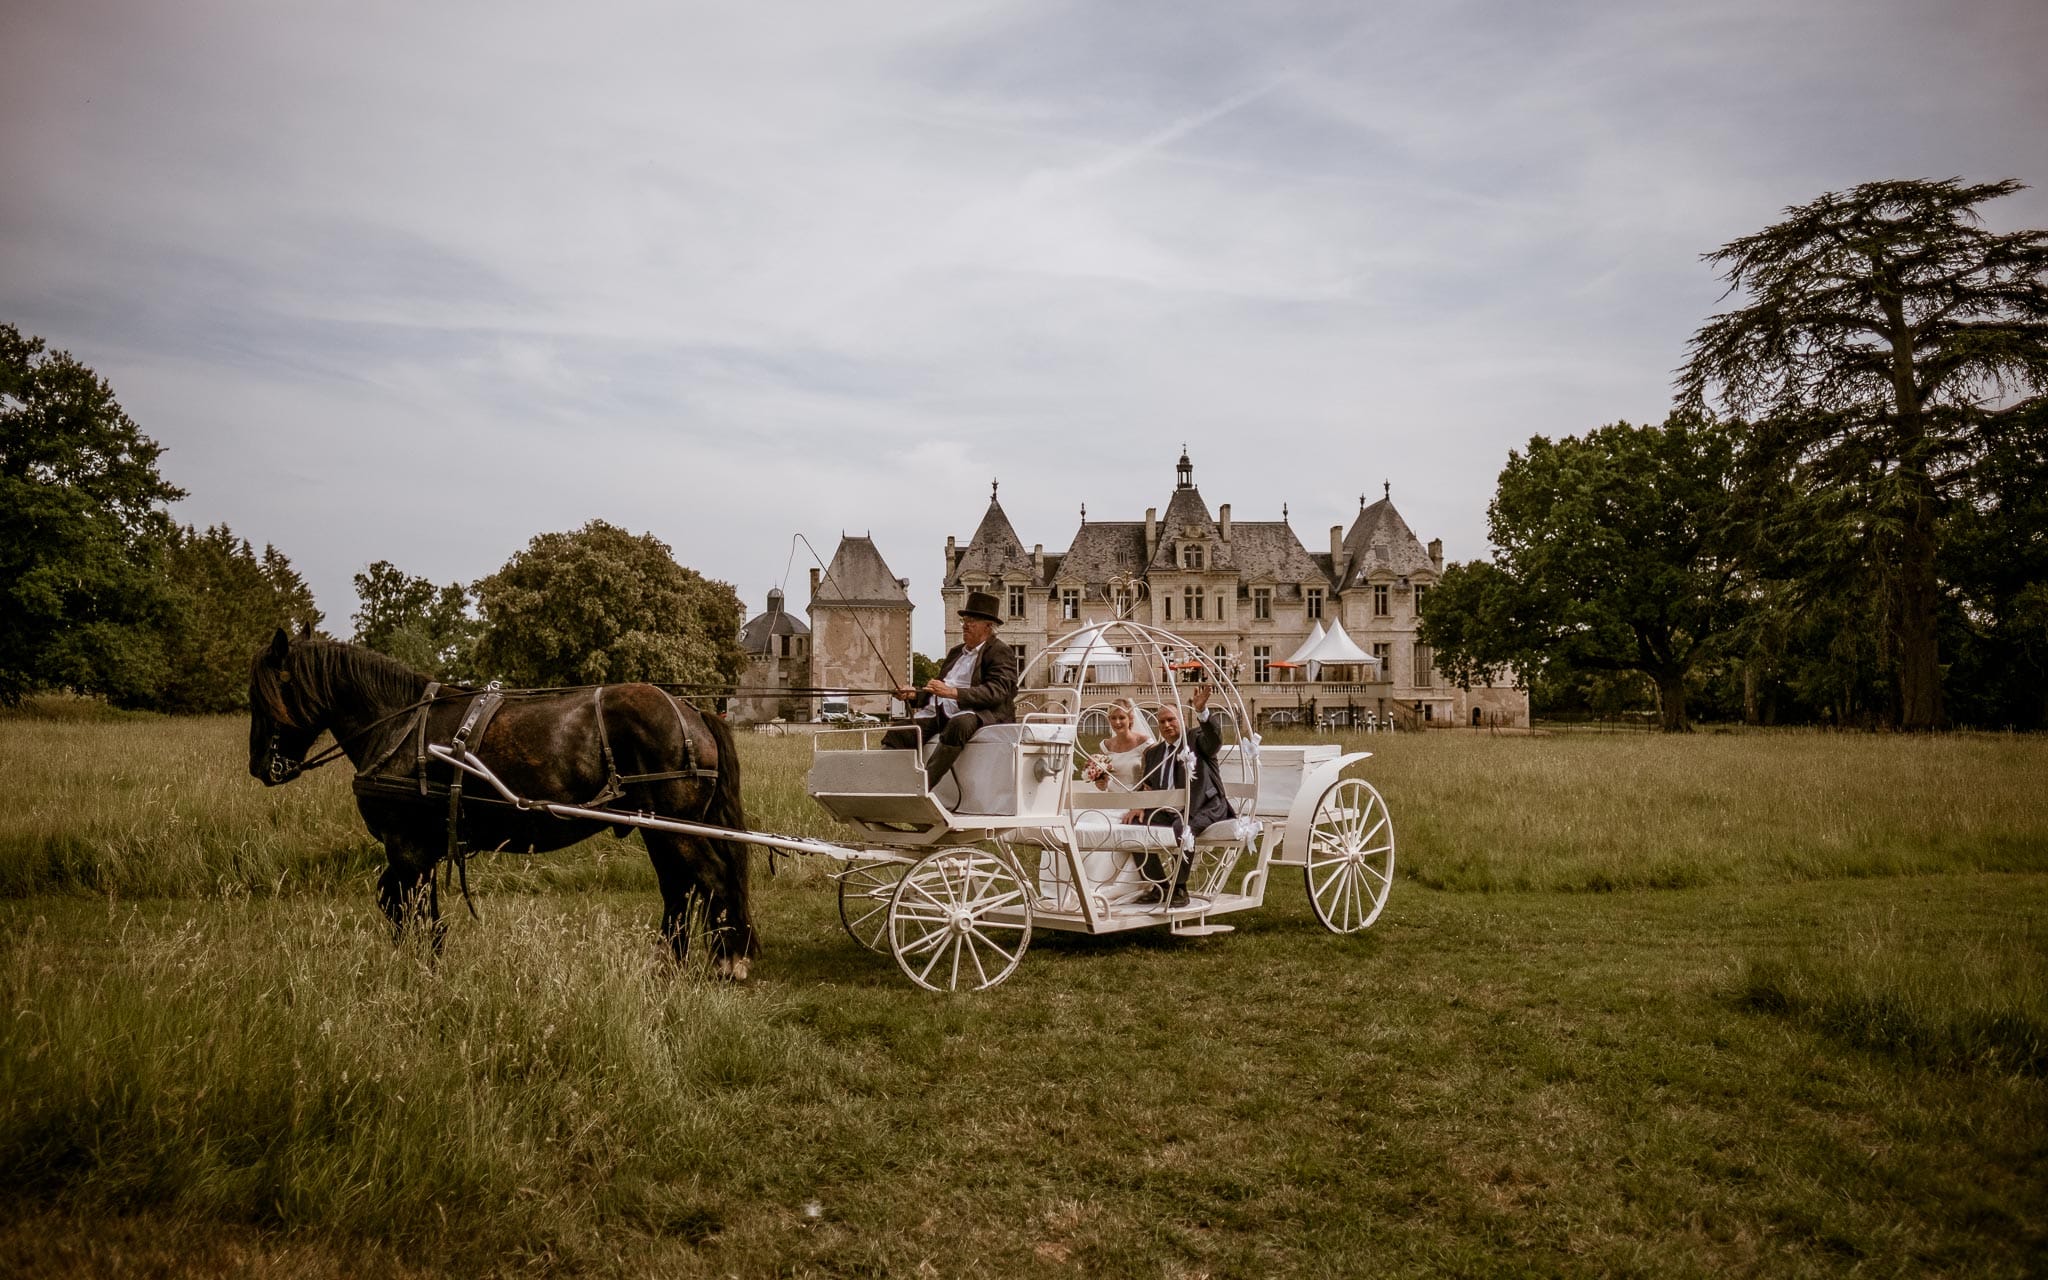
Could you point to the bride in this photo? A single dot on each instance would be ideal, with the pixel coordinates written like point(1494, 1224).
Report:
point(1123, 751)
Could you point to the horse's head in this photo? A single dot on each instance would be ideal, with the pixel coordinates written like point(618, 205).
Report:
point(282, 727)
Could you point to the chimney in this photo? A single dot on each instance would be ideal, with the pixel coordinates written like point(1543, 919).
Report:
point(1038, 561)
point(1151, 533)
point(1436, 554)
point(1224, 511)
point(952, 554)
point(814, 588)
point(1337, 552)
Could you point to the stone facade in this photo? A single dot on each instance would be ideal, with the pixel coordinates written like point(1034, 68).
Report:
point(860, 626)
point(858, 638)
point(1246, 590)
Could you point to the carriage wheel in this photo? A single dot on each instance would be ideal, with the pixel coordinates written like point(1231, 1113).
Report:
point(865, 893)
point(960, 920)
point(1350, 856)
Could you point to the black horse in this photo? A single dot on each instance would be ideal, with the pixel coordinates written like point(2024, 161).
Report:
point(631, 746)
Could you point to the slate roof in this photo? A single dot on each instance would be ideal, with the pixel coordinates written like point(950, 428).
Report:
point(995, 551)
point(859, 576)
point(1187, 508)
point(1268, 549)
point(1104, 549)
point(1380, 540)
point(761, 629)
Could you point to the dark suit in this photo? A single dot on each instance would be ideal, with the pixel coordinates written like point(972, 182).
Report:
point(987, 697)
point(1164, 770)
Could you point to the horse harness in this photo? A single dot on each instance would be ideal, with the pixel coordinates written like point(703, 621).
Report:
point(370, 781)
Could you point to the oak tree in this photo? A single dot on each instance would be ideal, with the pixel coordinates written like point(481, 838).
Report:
point(81, 520)
point(601, 605)
point(1611, 556)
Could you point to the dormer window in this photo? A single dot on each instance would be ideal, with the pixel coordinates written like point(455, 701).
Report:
point(1193, 555)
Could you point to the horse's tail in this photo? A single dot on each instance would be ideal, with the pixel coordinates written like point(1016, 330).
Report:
point(726, 810)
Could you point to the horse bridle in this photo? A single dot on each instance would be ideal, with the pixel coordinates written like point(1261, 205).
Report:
point(283, 768)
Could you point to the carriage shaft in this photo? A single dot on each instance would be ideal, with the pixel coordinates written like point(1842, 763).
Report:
point(468, 763)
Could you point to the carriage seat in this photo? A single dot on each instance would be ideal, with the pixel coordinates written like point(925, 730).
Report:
point(1006, 770)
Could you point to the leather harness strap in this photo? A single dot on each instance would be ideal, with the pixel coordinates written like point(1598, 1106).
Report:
point(615, 785)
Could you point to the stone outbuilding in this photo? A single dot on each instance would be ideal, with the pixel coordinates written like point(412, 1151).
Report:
point(778, 645)
point(857, 641)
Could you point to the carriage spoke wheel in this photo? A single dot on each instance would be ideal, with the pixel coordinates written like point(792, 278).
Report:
point(865, 893)
point(960, 920)
point(1350, 856)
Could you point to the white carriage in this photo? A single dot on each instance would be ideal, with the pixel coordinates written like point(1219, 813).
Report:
point(954, 879)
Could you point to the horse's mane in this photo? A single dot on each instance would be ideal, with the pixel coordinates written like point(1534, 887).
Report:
point(318, 673)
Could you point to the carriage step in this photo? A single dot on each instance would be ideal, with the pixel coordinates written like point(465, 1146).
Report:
point(1201, 929)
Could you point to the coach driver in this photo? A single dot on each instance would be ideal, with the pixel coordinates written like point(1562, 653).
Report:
point(976, 685)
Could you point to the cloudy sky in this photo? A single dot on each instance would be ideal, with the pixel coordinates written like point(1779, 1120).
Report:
point(416, 282)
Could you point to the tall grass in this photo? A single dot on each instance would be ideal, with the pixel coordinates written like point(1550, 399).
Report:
point(166, 807)
point(160, 807)
point(1541, 1084)
point(537, 1079)
point(142, 807)
point(1654, 811)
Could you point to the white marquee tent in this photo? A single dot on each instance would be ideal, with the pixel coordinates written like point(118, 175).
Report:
point(1089, 652)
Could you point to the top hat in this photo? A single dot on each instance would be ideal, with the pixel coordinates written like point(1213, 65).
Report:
point(980, 604)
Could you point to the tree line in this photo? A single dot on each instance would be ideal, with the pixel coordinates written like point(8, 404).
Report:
point(103, 593)
point(1844, 518)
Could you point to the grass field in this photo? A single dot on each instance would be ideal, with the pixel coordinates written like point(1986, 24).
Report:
point(1755, 1004)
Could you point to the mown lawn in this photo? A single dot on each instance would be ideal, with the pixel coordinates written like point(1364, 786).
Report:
point(1821, 1050)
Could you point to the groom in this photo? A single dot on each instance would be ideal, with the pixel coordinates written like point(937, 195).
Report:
point(1167, 762)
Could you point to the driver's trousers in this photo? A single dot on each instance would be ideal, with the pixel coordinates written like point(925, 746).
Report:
point(951, 733)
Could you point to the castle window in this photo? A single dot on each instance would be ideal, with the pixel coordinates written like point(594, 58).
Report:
point(1016, 602)
point(1385, 653)
point(1169, 607)
point(1125, 602)
point(1262, 663)
point(1191, 604)
point(1423, 660)
point(1262, 603)
point(1070, 603)
point(1314, 596)
point(1191, 555)
point(785, 646)
point(1380, 607)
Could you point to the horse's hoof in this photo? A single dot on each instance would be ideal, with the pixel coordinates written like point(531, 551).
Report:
point(733, 970)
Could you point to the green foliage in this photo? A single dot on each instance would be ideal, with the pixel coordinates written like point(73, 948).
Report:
point(81, 516)
point(1995, 568)
point(1887, 341)
point(599, 606)
point(430, 629)
point(1613, 557)
point(225, 603)
point(1469, 623)
point(923, 668)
